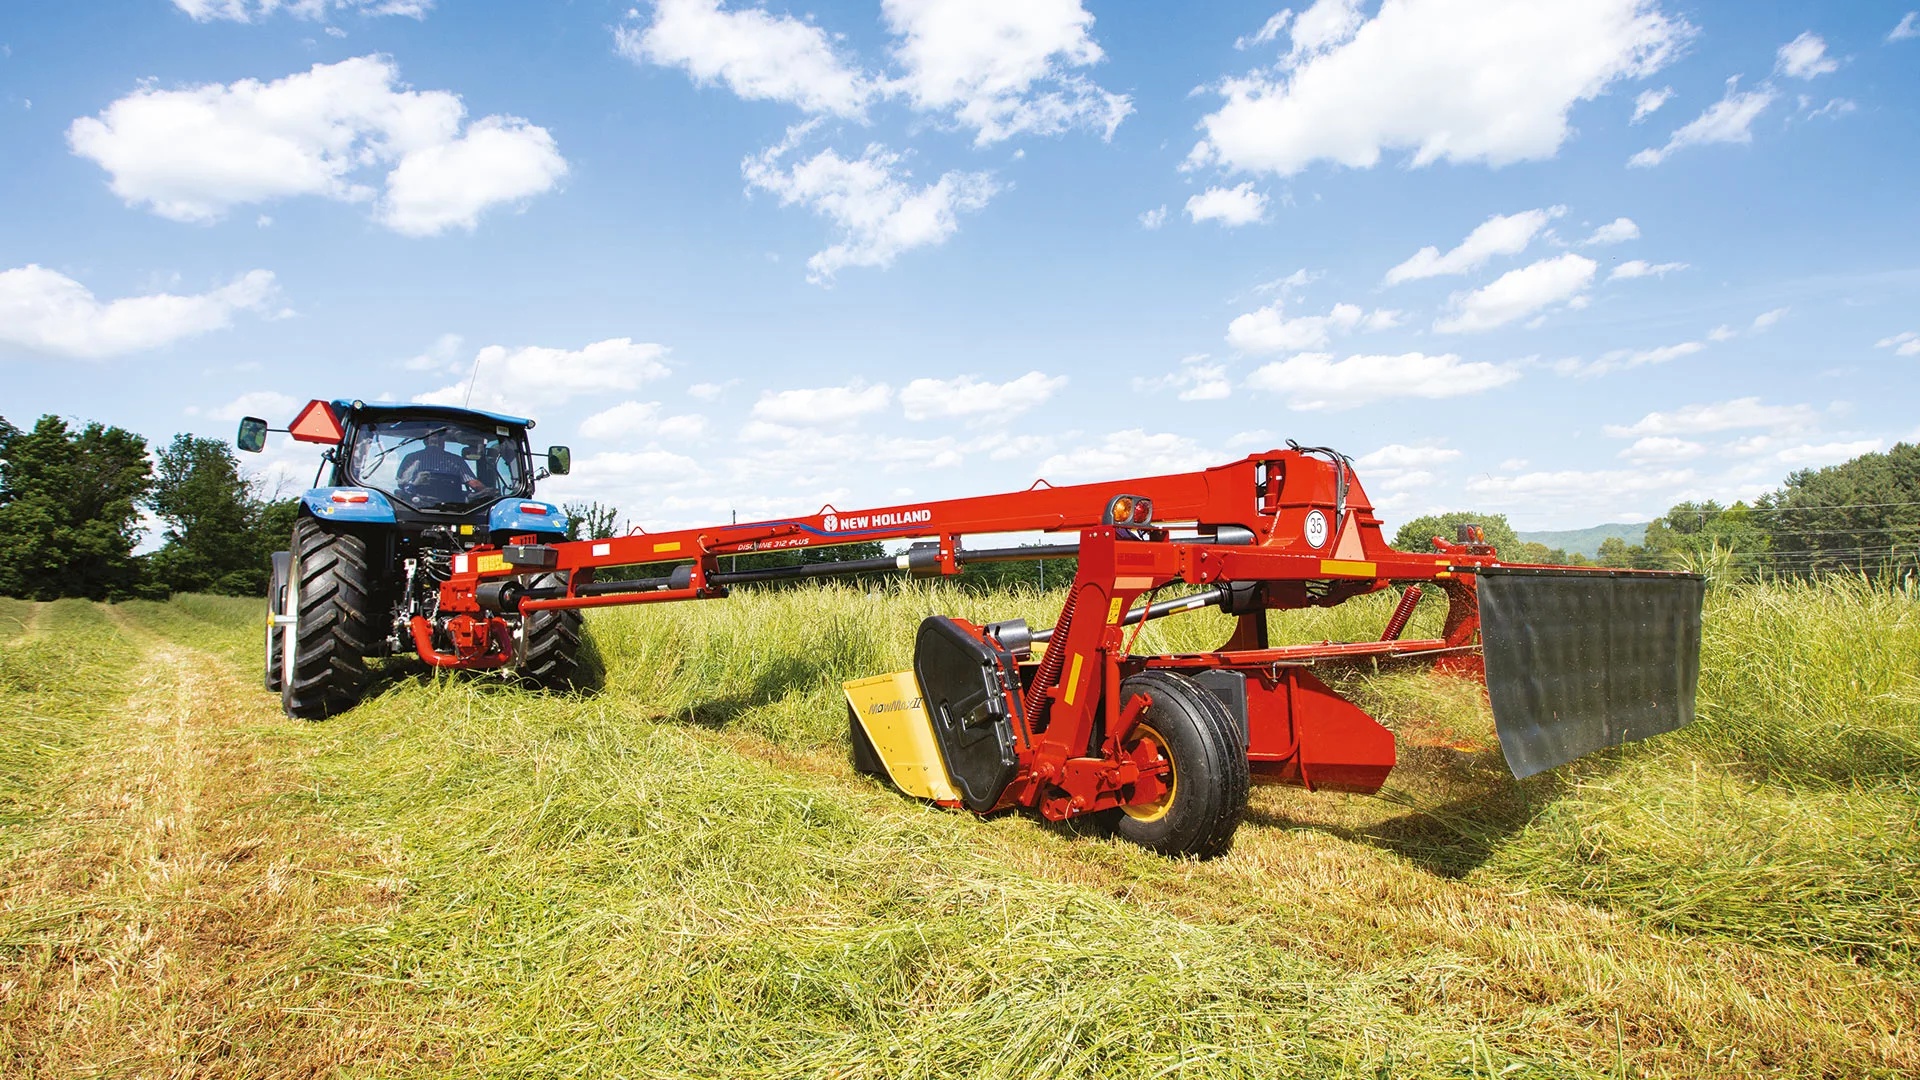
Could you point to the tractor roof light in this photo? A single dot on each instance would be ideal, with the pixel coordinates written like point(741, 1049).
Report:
point(532, 508)
point(348, 496)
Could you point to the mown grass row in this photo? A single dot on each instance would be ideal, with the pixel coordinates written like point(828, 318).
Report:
point(677, 875)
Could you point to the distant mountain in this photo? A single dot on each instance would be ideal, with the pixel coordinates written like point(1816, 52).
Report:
point(1586, 541)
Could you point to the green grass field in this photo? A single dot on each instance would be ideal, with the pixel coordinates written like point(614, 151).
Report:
point(679, 875)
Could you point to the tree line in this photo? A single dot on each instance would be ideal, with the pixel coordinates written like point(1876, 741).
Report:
point(71, 515)
point(73, 502)
point(1861, 517)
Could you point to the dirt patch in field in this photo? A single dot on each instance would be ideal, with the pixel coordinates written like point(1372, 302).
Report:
point(164, 926)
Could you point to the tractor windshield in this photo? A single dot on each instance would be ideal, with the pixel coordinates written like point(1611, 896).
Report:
point(438, 464)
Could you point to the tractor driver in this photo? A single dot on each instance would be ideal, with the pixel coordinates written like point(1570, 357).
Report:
point(434, 458)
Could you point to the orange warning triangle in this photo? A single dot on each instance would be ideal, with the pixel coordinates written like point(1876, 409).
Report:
point(316, 423)
point(1349, 546)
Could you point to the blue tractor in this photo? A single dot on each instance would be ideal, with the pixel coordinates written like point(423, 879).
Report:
point(407, 490)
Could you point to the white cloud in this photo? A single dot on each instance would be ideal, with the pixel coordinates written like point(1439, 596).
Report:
point(1395, 457)
point(1268, 31)
point(758, 56)
point(264, 403)
point(440, 356)
point(640, 421)
point(1618, 231)
point(1607, 490)
point(1903, 344)
point(707, 391)
point(1835, 107)
point(1766, 319)
point(1656, 448)
point(193, 154)
point(1729, 120)
point(1133, 452)
point(1154, 218)
point(1805, 57)
point(823, 405)
point(1196, 380)
point(1237, 205)
point(1002, 67)
point(1268, 330)
point(1490, 82)
point(1620, 359)
point(924, 399)
point(1745, 412)
point(1639, 268)
point(1833, 453)
point(246, 11)
point(1517, 294)
point(1722, 333)
point(1909, 27)
point(1649, 102)
point(515, 380)
point(1314, 381)
point(1498, 235)
point(46, 311)
point(877, 213)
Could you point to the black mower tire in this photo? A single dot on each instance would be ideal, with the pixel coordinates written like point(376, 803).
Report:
point(330, 592)
point(552, 640)
point(276, 606)
point(1211, 778)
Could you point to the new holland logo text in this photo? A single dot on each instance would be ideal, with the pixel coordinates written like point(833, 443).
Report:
point(886, 519)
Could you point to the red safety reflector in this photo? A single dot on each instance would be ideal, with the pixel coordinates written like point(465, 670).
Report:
point(532, 508)
point(316, 423)
point(1142, 511)
point(349, 496)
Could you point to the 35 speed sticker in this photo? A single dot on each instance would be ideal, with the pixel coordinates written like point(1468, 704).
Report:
point(1316, 530)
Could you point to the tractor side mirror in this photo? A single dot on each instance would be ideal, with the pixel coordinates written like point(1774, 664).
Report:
point(559, 460)
point(253, 435)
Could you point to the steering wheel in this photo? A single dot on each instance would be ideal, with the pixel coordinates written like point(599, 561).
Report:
point(444, 481)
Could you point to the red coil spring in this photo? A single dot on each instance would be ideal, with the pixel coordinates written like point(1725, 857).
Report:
point(1050, 664)
point(1401, 613)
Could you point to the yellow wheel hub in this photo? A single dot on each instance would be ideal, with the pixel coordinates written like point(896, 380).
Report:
point(1158, 808)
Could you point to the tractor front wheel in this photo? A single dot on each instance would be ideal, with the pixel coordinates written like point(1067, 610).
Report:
point(330, 587)
point(550, 648)
point(1203, 767)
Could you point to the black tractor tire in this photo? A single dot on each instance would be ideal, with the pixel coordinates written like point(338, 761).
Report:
point(1199, 739)
point(276, 606)
point(551, 656)
point(331, 583)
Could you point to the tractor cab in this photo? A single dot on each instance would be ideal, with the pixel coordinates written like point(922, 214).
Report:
point(423, 467)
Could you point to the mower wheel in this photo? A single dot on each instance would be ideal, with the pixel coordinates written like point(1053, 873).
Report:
point(552, 640)
point(1206, 766)
point(276, 606)
point(330, 586)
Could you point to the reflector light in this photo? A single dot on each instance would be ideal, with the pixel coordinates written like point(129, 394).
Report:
point(349, 496)
point(532, 508)
point(1142, 511)
point(1123, 508)
point(316, 424)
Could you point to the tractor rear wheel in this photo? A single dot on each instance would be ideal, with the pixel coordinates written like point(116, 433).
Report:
point(551, 640)
point(1204, 766)
point(330, 587)
point(276, 606)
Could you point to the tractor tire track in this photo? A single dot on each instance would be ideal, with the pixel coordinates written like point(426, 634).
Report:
point(167, 935)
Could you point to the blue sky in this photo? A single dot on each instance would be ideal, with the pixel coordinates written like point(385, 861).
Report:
point(1572, 262)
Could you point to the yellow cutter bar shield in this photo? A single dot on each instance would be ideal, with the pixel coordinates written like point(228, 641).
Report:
point(889, 708)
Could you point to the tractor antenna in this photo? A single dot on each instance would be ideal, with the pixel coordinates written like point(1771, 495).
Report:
point(467, 402)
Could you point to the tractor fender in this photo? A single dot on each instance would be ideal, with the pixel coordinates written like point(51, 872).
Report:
point(374, 508)
point(511, 515)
